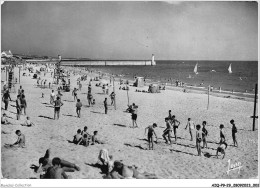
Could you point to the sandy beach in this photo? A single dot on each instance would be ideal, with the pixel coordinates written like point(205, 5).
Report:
point(176, 161)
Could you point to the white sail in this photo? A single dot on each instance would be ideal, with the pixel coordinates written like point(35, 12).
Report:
point(229, 69)
point(196, 69)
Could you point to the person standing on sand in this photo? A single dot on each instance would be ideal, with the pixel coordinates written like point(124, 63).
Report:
point(222, 136)
point(105, 105)
point(23, 104)
point(204, 134)
point(167, 131)
point(78, 107)
point(198, 139)
point(151, 132)
point(57, 105)
point(170, 114)
point(191, 126)
point(52, 97)
point(134, 115)
point(234, 131)
point(74, 93)
point(6, 98)
point(18, 107)
point(175, 124)
point(112, 96)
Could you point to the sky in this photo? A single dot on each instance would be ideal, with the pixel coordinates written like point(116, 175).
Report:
point(132, 30)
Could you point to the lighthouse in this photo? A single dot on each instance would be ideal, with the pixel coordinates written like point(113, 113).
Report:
point(153, 62)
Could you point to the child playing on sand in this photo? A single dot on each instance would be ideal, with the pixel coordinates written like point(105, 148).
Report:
point(204, 134)
point(27, 122)
point(151, 132)
point(20, 140)
point(4, 119)
point(84, 140)
point(191, 126)
point(221, 149)
point(85, 131)
point(198, 139)
point(77, 138)
point(234, 131)
point(167, 131)
point(175, 124)
point(78, 107)
point(18, 107)
point(57, 105)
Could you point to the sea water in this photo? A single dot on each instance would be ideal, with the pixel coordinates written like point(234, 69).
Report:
point(244, 74)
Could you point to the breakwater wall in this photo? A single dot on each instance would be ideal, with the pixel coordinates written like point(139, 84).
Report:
point(107, 62)
point(65, 62)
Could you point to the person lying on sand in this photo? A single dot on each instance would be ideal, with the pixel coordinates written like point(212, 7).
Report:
point(77, 138)
point(55, 171)
point(107, 160)
point(121, 171)
point(4, 120)
point(45, 163)
point(27, 122)
point(20, 140)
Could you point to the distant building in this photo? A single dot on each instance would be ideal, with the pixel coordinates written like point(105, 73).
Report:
point(6, 54)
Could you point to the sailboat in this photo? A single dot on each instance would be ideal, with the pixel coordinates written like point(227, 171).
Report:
point(229, 69)
point(196, 69)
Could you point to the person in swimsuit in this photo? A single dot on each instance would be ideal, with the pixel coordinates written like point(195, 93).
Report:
point(204, 134)
point(23, 104)
point(112, 96)
point(221, 149)
point(4, 119)
point(175, 125)
point(78, 107)
point(74, 93)
point(134, 115)
point(20, 140)
point(18, 107)
point(45, 163)
point(105, 105)
point(222, 136)
point(198, 139)
point(191, 126)
point(95, 139)
point(52, 97)
point(77, 138)
point(234, 131)
point(151, 132)
point(167, 131)
point(57, 105)
point(55, 171)
point(6, 98)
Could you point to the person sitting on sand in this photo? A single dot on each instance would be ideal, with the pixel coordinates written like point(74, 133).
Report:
point(85, 132)
point(167, 131)
point(20, 140)
point(234, 131)
point(4, 119)
point(84, 140)
point(151, 132)
point(198, 139)
point(191, 126)
point(78, 107)
point(77, 138)
point(95, 139)
point(55, 171)
point(45, 163)
point(107, 160)
point(27, 122)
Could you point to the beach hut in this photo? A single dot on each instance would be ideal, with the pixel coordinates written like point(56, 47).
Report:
point(139, 82)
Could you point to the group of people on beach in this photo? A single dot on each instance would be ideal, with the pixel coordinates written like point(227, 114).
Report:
point(201, 134)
